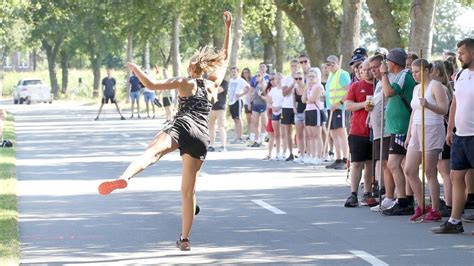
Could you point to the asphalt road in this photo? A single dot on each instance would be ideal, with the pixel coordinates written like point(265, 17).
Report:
point(252, 211)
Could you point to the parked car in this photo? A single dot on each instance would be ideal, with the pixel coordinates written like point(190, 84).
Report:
point(32, 90)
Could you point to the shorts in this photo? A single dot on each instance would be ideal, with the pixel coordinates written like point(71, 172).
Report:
point(434, 138)
point(299, 118)
point(276, 117)
point(107, 99)
point(314, 118)
point(219, 116)
point(167, 101)
point(446, 153)
point(135, 96)
point(338, 119)
point(259, 108)
point(397, 142)
point(386, 147)
point(247, 109)
point(360, 148)
point(191, 135)
point(287, 116)
point(462, 157)
point(149, 96)
point(236, 109)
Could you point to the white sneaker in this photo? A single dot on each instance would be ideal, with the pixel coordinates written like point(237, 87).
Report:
point(298, 160)
point(316, 161)
point(386, 204)
point(280, 158)
point(307, 160)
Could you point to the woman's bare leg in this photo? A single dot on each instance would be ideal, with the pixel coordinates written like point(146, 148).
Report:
point(191, 167)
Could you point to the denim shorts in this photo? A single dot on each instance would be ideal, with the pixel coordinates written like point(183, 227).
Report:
point(135, 96)
point(299, 118)
point(149, 96)
point(259, 108)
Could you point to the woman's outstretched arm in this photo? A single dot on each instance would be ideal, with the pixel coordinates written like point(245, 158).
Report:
point(218, 75)
point(166, 84)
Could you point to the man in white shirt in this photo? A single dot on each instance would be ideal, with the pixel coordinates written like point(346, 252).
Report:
point(288, 114)
point(238, 87)
point(461, 117)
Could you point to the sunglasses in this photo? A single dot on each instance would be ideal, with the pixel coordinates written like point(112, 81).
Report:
point(298, 78)
point(303, 61)
point(311, 76)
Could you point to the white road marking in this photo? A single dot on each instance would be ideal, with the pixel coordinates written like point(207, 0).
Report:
point(269, 207)
point(143, 144)
point(369, 258)
point(125, 135)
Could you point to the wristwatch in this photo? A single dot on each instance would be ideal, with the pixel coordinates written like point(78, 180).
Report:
point(385, 73)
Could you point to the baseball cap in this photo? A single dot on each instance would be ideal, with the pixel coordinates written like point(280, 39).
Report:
point(381, 50)
point(356, 58)
point(397, 56)
point(361, 51)
point(332, 59)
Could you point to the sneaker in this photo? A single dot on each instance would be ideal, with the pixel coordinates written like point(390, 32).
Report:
point(469, 219)
point(386, 204)
point(448, 228)
point(255, 145)
point(97, 118)
point(211, 149)
point(290, 158)
point(444, 209)
point(280, 158)
point(329, 157)
point(107, 187)
point(131, 117)
point(419, 213)
point(432, 216)
point(307, 160)
point(368, 200)
point(237, 141)
point(183, 244)
point(198, 210)
point(341, 166)
point(298, 160)
point(316, 161)
point(122, 118)
point(351, 201)
point(398, 210)
point(222, 149)
point(267, 158)
point(333, 165)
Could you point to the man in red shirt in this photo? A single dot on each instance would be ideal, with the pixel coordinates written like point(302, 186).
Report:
point(360, 145)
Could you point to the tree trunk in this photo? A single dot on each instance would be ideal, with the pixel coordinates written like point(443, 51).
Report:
point(129, 59)
point(317, 22)
point(51, 54)
point(95, 63)
point(280, 42)
point(64, 71)
point(175, 57)
point(236, 33)
point(385, 28)
point(350, 29)
point(146, 53)
point(35, 58)
point(421, 33)
point(268, 41)
point(217, 40)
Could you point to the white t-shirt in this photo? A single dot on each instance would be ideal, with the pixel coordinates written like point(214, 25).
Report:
point(464, 92)
point(236, 86)
point(288, 99)
point(277, 99)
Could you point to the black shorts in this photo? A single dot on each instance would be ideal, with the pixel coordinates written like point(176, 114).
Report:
point(446, 153)
point(397, 142)
point(287, 116)
point(236, 109)
point(462, 155)
point(338, 119)
point(360, 148)
point(247, 109)
point(107, 99)
point(386, 147)
point(314, 118)
point(167, 101)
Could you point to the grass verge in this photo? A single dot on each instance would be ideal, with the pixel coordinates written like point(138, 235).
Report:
point(9, 242)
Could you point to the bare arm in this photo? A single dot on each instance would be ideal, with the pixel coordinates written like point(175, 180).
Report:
point(450, 129)
point(442, 105)
point(166, 84)
point(353, 106)
point(218, 75)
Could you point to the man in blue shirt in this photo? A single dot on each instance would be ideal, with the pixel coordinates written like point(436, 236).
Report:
point(135, 91)
point(108, 93)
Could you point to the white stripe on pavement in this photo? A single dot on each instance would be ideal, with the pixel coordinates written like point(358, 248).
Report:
point(143, 144)
point(369, 258)
point(125, 135)
point(269, 207)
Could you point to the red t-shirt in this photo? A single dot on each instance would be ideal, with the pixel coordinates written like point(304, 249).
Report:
point(358, 93)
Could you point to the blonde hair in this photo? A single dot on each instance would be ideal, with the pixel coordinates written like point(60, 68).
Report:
point(444, 79)
point(205, 60)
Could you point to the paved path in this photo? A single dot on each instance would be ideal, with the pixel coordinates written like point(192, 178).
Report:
point(252, 211)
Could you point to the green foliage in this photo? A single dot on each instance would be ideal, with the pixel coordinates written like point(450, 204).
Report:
point(401, 14)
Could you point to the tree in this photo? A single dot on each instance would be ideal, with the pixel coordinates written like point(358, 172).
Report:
point(280, 39)
point(350, 28)
point(385, 24)
point(421, 30)
point(236, 32)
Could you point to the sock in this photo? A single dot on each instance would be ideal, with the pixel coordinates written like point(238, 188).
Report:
point(403, 202)
point(354, 194)
point(252, 137)
point(411, 199)
point(470, 197)
point(453, 221)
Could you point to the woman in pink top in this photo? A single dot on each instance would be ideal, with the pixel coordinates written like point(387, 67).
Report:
point(314, 116)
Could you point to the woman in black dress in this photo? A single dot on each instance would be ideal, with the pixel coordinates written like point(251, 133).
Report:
point(189, 129)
